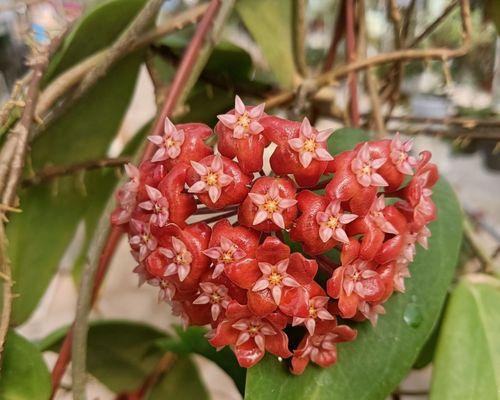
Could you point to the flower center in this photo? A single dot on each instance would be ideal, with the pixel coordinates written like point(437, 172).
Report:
point(402, 157)
point(313, 313)
point(215, 297)
point(244, 120)
point(271, 206)
point(169, 142)
point(310, 145)
point(332, 222)
point(275, 278)
point(182, 258)
point(366, 170)
point(253, 329)
point(227, 257)
point(356, 276)
point(211, 178)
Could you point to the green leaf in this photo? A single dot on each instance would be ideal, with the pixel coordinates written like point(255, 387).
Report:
point(345, 139)
point(193, 340)
point(123, 354)
point(24, 373)
point(270, 24)
point(182, 382)
point(95, 31)
point(467, 363)
point(372, 365)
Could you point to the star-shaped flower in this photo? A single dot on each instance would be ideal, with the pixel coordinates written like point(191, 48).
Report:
point(400, 157)
point(331, 222)
point(271, 206)
point(215, 295)
point(226, 253)
point(169, 144)
point(365, 168)
point(243, 122)
point(179, 259)
point(212, 179)
point(308, 144)
point(157, 205)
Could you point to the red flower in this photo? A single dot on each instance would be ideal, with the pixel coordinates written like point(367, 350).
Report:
point(302, 150)
point(240, 135)
point(179, 256)
point(321, 223)
point(181, 143)
point(232, 250)
point(320, 347)
point(217, 181)
point(282, 279)
point(251, 336)
point(355, 281)
point(270, 205)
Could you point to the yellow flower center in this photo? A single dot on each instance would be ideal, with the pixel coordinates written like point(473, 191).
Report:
point(313, 313)
point(216, 297)
point(275, 279)
point(244, 120)
point(211, 178)
point(402, 157)
point(253, 329)
point(271, 206)
point(310, 145)
point(227, 257)
point(169, 142)
point(181, 259)
point(366, 170)
point(332, 222)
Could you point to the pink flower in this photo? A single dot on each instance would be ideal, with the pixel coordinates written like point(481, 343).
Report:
point(214, 294)
point(271, 206)
point(132, 186)
point(400, 157)
point(317, 310)
point(331, 222)
point(422, 237)
point(158, 205)
point(243, 122)
point(371, 311)
point(357, 279)
point(167, 289)
point(212, 179)
point(142, 239)
point(274, 278)
point(169, 144)
point(255, 328)
point(401, 272)
point(377, 216)
point(226, 253)
point(180, 259)
point(127, 196)
point(365, 168)
point(308, 144)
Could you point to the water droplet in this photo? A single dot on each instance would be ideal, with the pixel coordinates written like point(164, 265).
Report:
point(413, 315)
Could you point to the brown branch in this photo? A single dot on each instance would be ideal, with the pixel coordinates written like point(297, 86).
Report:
point(71, 77)
point(299, 35)
point(12, 159)
point(51, 172)
point(338, 33)
point(352, 80)
point(127, 40)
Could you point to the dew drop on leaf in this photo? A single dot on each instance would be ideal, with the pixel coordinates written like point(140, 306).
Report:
point(412, 315)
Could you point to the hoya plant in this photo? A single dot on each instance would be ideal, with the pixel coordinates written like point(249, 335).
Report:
point(305, 262)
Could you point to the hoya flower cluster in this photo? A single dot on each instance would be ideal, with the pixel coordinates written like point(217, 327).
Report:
point(241, 278)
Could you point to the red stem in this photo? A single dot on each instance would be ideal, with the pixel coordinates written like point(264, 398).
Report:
point(182, 75)
point(338, 32)
point(218, 217)
point(351, 57)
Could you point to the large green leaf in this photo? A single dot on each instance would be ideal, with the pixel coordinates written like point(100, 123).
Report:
point(123, 354)
point(193, 341)
point(180, 383)
point(270, 23)
point(467, 363)
point(85, 131)
point(95, 31)
point(24, 373)
point(370, 367)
